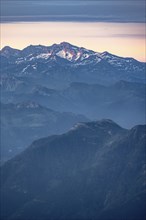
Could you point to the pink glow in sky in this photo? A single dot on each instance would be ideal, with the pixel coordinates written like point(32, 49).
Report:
point(123, 39)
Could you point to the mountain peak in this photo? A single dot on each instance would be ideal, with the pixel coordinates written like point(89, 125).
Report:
point(6, 48)
point(74, 56)
point(64, 43)
point(107, 126)
point(105, 53)
point(8, 51)
point(138, 129)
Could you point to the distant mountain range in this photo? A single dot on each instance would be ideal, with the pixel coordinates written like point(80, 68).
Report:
point(88, 168)
point(68, 63)
point(94, 171)
point(65, 78)
point(122, 99)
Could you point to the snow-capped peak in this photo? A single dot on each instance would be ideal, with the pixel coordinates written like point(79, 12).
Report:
point(73, 54)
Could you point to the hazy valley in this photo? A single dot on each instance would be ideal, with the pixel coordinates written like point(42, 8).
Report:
point(66, 78)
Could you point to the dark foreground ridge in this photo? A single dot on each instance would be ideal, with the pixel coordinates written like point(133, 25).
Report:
point(94, 171)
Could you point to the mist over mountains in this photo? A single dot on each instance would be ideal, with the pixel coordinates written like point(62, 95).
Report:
point(66, 78)
point(60, 157)
point(28, 121)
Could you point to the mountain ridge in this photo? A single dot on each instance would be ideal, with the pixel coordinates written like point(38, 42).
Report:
point(63, 45)
point(67, 78)
point(82, 174)
point(70, 62)
point(26, 121)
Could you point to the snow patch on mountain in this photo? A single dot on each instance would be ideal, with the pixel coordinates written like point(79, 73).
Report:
point(19, 60)
point(43, 55)
point(65, 55)
point(78, 55)
point(28, 105)
point(78, 126)
point(85, 56)
point(24, 69)
point(34, 67)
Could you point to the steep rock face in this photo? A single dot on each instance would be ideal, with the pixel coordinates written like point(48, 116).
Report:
point(94, 171)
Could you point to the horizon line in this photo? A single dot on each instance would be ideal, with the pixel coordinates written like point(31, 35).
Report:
point(35, 45)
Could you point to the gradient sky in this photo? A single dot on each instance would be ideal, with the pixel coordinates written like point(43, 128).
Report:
point(115, 26)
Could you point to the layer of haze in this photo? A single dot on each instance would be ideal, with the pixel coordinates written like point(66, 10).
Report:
point(123, 39)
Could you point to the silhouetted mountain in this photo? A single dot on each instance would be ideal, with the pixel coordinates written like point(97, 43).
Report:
point(23, 123)
point(94, 171)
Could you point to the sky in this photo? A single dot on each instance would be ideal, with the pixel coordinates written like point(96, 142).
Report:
point(101, 25)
